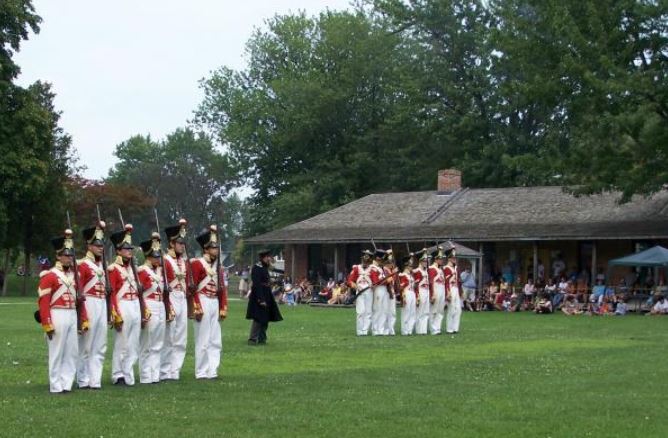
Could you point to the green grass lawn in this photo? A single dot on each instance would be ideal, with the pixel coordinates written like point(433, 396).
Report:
point(503, 375)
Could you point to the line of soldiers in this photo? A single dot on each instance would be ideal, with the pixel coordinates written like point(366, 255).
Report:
point(148, 307)
point(424, 290)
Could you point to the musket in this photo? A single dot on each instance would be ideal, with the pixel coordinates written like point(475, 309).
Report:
point(190, 284)
point(373, 285)
point(219, 285)
point(107, 283)
point(77, 292)
point(166, 290)
point(140, 288)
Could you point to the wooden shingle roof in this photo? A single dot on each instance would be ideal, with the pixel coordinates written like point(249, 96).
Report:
point(518, 213)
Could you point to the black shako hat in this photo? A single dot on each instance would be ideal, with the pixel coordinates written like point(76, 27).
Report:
point(177, 233)
point(208, 238)
point(123, 239)
point(64, 245)
point(151, 248)
point(94, 235)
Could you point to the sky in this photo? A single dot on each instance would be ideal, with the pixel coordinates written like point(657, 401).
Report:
point(128, 67)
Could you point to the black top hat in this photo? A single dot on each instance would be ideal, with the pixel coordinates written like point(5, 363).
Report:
point(177, 233)
point(208, 238)
point(151, 248)
point(122, 239)
point(64, 244)
point(94, 235)
point(379, 253)
point(263, 253)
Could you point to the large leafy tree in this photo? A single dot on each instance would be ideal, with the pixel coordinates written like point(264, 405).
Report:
point(307, 123)
point(181, 176)
point(36, 153)
point(598, 73)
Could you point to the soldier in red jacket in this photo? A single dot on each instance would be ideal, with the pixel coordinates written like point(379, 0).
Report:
point(408, 297)
point(211, 302)
point(125, 309)
point(58, 316)
point(93, 344)
point(421, 281)
point(437, 301)
point(176, 334)
point(453, 292)
point(359, 279)
point(153, 335)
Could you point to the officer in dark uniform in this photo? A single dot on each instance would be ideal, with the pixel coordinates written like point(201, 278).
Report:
point(262, 307)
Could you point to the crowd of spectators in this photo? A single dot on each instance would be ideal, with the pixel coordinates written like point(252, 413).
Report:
point(569, 297)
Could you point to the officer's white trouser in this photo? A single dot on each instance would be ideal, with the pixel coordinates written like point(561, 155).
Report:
point(126, 343)
point(422, 313)
point(390, 315)
point(208, 340)
point(363, 307)
point(176, 337)
point(93, 344)
point(454, 311)
point(437, 309)
point(63, 350)
point(408, 313)
point(151, 341)
point(379, 313)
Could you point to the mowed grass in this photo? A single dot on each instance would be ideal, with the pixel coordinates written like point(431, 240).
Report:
point(503, 375)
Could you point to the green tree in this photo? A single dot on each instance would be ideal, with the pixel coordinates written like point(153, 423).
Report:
point(181, 176)
point(307, 122)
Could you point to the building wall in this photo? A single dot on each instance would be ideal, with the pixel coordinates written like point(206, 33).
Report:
point(299, 267)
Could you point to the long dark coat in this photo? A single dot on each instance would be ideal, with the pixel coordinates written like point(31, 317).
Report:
point(261, 293)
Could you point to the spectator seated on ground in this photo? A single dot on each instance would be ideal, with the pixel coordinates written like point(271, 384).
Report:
point(604, 308)
point(289, 294)
point(562, 291)
point(571, 306)
point(529, 291)
point(338, 294)
point(500, 300)
point(660, 307)
point(543, 305)
point(622, 307)
point(325, 294)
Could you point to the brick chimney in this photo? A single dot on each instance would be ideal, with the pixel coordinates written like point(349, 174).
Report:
point(449, 181)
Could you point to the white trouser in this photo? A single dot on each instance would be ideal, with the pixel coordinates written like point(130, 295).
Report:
point(437, 309)
point(93, 344)
point(408, 313)
point(422, 313)
point(379, 313)
point(454, 311)
point(363, 306)
point(151, 340)
point(126, 343)
point(63, 350)
point(390, 315)
point(176, 337)
point(208, 340)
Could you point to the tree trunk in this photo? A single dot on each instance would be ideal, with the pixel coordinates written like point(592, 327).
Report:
point(27, 270)
point(27, 249)
point(5, 271)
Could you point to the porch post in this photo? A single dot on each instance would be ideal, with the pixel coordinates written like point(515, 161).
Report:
point(535, 261)
point(594, 262)
point(292, 262)
point(480, 269)
point(336, 262)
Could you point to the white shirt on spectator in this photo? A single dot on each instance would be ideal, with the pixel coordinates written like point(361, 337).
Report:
point(563, 286)
point(661, 306)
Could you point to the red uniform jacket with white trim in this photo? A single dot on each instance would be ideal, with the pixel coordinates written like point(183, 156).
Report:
point(56, 291)
point(205, 279)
